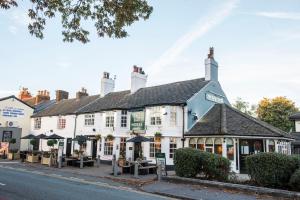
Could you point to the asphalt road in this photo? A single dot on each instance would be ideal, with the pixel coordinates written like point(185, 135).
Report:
point(17, 185)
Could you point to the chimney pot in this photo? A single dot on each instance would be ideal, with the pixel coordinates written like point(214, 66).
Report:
point(61, 94)
point(138, 79)
point(107, 84)
point(211, 67)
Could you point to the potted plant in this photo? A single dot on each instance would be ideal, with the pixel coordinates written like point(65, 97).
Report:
point(98, 137)
point(13, 153)
point(45, 158)
point(110, 137)
point(122, 158)
point(32, 156)
point(76, 153)
point(158, 135)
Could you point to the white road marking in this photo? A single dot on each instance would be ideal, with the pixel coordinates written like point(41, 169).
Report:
point(2, 184)
point(4, 162)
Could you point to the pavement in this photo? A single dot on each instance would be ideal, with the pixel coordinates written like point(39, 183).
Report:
point(93, 178)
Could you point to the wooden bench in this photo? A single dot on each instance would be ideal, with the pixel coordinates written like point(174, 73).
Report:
point(89, 163)
point(146, 169)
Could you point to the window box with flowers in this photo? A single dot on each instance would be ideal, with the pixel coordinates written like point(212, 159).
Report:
point(158, 135)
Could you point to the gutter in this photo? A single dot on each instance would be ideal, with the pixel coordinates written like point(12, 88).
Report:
point(75, 126)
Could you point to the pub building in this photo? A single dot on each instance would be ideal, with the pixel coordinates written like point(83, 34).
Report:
point(193, 113)
point(295, 118)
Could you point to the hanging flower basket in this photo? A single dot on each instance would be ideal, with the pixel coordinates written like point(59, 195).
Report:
point(157, 135)
point(98, 137)
point(110, 137)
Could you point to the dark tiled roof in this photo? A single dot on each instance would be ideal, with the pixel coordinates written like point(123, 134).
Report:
point(14, 97)
point(296, 135)
point(222, 119)
point(67, 106)
point(295, 116)
point(44, 105)
point(173, 93)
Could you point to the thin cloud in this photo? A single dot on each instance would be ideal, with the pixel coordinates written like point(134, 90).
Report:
point(13, 29)
point(170, 55)
point(280, 15)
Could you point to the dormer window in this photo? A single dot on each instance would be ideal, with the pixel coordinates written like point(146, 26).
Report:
point(89, 120)
point(109, 119)
point(155, 116)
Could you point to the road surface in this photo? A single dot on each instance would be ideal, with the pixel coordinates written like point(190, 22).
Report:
point(17, 185)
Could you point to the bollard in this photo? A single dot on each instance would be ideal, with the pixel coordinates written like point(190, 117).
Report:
point(98, 161)
point(159, 172)
point(50, 160)
point(136, 169)
point(59, 162)
point(81, 161)
point(115, 166)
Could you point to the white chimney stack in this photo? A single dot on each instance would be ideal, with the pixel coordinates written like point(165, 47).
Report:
point(211, 67)
point(138, 79)
point(107, 84)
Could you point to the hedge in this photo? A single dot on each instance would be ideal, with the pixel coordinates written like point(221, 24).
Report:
point(295, 180)
point(214, 166)
point(271, 169)
point(190, 162)
point(186, 161)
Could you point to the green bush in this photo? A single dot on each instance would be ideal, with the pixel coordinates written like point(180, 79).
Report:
point(214, 166)
point(295, 180)
point(271, 169)
point(187, 162)
point(51, 143)
point(33, 142)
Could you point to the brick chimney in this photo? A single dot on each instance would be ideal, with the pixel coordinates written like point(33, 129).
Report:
point(82, 93)
point(24, 94)
point(61, 94)
point(138, 79)
point(43, 95)
point(211, 67)
point(107, 84)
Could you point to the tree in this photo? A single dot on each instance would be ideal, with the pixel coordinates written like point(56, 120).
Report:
point(276, 112)
point(244, 106)
point(110, 17)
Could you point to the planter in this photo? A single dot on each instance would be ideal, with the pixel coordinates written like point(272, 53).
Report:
point(13, 156)
point(45, 161)
point(122, 162)
point(32, 158)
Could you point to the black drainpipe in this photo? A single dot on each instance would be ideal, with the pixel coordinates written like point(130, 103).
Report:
point(183, 117)
point(74, 134)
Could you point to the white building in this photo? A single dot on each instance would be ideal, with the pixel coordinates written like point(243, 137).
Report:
point(15, 121)
point(170, 115)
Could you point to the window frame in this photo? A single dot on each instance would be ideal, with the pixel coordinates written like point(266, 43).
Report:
point(37, 123)
point(108, 147)
point(155, 116)
point(89, 119)
point(173, 116)
point(155, 146)
point(124, 116)
point(61, 123)
point(109, 120)
point(172, 147)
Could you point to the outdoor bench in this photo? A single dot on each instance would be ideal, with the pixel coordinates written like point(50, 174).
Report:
point(147, 169)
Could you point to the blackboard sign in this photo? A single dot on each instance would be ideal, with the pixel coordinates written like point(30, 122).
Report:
point(161, 159)
point(137, 120)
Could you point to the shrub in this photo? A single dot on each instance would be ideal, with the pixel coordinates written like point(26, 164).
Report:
point(295, 180)
point(214, 166)
point(33, 142)
point(271, 169)
point(187, 162)
point(12, 141)
point(51, 143)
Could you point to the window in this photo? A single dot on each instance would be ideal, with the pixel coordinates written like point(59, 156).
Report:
point(209, 145)
point(7, 135)
point(173, 116)
point(230, 148)
point(193, 143)
point(61, 123)
point(283, 147)
point(244, 145)
point(155, 146)
point(108, 147)
point(155, 116)
point(37, 123)
point(100, 144)
point(271, 146)
point(173, 147)
point(89, 120)
point(218, 146)
point(109, 120)
point(123, 146)
point(124, 118)
point(200, 144)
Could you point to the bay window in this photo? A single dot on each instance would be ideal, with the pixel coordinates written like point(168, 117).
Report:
point(218, 146)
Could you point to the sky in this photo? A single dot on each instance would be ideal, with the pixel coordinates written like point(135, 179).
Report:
point(257, 46)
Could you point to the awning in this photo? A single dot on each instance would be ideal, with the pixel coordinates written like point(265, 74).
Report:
point(29, 137)
point(139, 139)
point(54, 137)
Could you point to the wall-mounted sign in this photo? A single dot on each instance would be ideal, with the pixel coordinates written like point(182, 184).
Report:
point(214, 97)
point(12, 112)
point(137, 120)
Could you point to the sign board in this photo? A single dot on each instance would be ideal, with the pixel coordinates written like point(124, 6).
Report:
point(61, 144)
point(137, 120)
point(4, 148)
point(12, 112)
point(214, 97)
point(161, 159)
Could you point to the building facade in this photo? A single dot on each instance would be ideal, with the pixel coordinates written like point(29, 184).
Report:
point(295, 118)
point(15, 121)
point(170, 115)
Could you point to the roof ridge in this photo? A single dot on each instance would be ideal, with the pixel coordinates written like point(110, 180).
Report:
point(260, 122)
